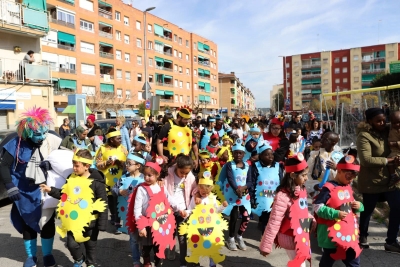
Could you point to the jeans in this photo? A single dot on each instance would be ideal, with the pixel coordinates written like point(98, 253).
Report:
point(134, 249)
point(327, 261)
point(369, 201)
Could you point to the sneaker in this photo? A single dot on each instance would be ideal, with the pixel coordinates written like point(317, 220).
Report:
point(117, 232)
point(49, 261)
point(231, 244)
point(241, 244)
point(90, 266)
point(392, 248)
point(171, 254)
point(80, 262)
point(363, 242)
point(30, 262)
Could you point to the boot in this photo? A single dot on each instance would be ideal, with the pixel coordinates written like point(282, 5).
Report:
point(47, 249)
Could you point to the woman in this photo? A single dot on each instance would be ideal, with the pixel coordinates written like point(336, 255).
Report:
point(120, 126)
point(245, 128)
point(28, 59)
point(373, 180)
point(315, 130)
point(135, 130)
point(78, 140)
point(64, 130)
point(277, 139)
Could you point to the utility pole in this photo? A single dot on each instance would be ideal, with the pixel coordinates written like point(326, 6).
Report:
point(146, 84)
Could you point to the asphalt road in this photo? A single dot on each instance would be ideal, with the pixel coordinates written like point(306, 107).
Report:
point(113, 250)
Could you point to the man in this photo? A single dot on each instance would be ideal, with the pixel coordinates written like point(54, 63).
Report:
point(296, 122)
point(176, 137)
point(386, 111)
point(147, 129)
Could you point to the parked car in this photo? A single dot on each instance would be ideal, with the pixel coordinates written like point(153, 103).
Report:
point(107, 123)
point(306, 117)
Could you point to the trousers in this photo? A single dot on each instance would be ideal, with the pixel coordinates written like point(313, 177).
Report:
point(233, 219)
point(327, 261)
point(76, 249)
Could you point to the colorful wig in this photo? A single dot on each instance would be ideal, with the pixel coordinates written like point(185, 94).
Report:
point(33, 120)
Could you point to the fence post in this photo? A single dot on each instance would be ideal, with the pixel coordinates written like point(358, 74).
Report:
point(341, 126)
point(379, 99)
point(337, 107)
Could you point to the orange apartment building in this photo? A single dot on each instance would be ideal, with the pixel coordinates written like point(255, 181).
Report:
point(97, 48)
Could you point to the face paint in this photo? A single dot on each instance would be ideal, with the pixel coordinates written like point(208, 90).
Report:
point(40, 135)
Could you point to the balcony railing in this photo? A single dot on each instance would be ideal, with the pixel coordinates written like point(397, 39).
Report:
point(66, 47)
point(204, 63)
point(366, 83)
point(204, 77)
point(164, 84)
point(105, 14)
point(313, 65)
point(17, 71)
point(106, 55)
point(61, 92)
point(105, 34)
point(373, 71)
point(202, 89)
point(167, 100)
point(373, 59)
point(67, 70)
point(63, 23)
point(307, 76)
point(69, 2)
point(205, 52)
point(310, 86)
point(164, 37)
point(111, 76)
point(164, 68)
point(168, 54)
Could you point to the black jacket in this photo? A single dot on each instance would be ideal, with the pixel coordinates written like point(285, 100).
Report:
point(99, 190)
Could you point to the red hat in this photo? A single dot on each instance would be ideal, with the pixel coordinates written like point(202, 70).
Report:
point(153, 165)
point(277, 121)
point(214, 136)
point(91, 117)
point(300, 166)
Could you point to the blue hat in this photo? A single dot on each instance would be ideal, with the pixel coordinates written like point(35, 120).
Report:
point(255, 129)
point(211, 120)
point(140, 140)
point(136, 158)
point(218, 117)
point(238, 147)
point(264, 147)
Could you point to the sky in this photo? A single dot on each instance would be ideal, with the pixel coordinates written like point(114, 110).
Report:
point(252, 34)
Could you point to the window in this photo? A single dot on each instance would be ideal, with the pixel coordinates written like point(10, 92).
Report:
point(337, 80)
point(118, 35)
point(181, 98)
point(355, 57)
point(325, 61)
point(176, 98)
point(325, 81)
point(119, 93)
point(50, 59)
point(187, 71)
point(126, 39)
point(150, 45)
point(180, 40)
point(195, 86)
point(194, 45)
point(180, 69)
point(176, 83)
point(344, 59)
point(150, 62)
point(88, 90)
point(344, 70)
point(215, 54)
point(140, 97)
point(139, 78)
point(187, 85)
point(86, 26)
point(176, 68)
point(117, 16)
point(138, 42)
point(118, 54)
point(188, 99)
point(126, 20)
point(288, 85)
point(180, 55)
point(297, 93)
point(66, 17)
point(296, 73)
point(127, 75)
point(391, 54)
point(50, 37)
point(119, 74)
point(128, 94)
point(88, 69)
point(337, 60)
point(175, 37)
point(127, 57)
point(195, 99)
point(355, 68)
point(139, 60)
point(180, 84)
point(356, 79)
point(187, 57)
point(175, 53)
point(288, 65)
point(87, 47)
point(195, 72)
point(344, 80)
point(195, 59)
point(138, 25)
point(150, 78)
point(149, 28)
point(337, 70)
point(187, 43)
point(85, 4)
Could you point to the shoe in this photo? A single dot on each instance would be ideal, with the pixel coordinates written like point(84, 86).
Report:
point(231, 244)
point(241, 244)
point(363, 242)
point(171, 254)
point(30, 262)
point(117, 232)
point(90, 266)
point(392, 248)
point(146, 262)
point(49, 261)
point(80, 262)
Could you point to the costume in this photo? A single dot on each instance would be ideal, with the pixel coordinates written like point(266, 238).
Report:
point(251, 145)
point(204, 154)
point(205, 137)
point(21, 175)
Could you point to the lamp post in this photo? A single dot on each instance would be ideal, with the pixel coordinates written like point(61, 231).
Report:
point(146, 84)
point(285, 79)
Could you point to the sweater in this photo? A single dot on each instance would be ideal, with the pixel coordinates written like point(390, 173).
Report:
point(190, 184)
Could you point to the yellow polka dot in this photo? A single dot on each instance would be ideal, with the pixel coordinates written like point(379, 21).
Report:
point(156, 225)
point(356, 231)
point(336, 227)
point(353, 237)
point(261, 194)
point(169, 211)
point(304, 239)
point(338, 220)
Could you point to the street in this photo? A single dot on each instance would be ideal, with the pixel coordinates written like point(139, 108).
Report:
point(113, 250)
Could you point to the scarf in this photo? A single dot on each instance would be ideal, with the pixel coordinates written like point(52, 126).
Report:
point(33, 171)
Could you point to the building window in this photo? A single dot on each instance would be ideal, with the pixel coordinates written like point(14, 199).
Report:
point(180, 40)
point(187, 43)
point(337, 60)
point(128, 94)
point(150, 78)
point(195, 72)
point(138, 25)
point(139, 77)
point(180, 84)
point(296, 73)
point(138, 42)
point(118, 35)
point(288, 65)
point(325, 71)
point(175, 37)
point(287, 85)
point(176, 83)
point(176, 68)
point(139, 60)
point(176, 98)
point(355, 68)
point(86, 26)
point(355, 57)
point(187, 57)
point(391, 54)
point(296, 63)
point(119, 93)
point(195, 86)
point(180, 69)
point(88, 69)
point(337, 80)
point(325, 81)
point(150, 45)
point(149, 28)
point(126, 20)
point(187, 71)
point(88, 5)
point(87, 48)
point(181, 98)
point(194, 45)
point(180, 55)
point(344, 59)
point(297, 93)
point(127, 57)
point(119, 74)
point(126, 39)
point(195, 59)
point(88, 90)
point(344, 70)
point(127, 75)
point(117, 16)
point(337, 70)
point(356, 79)
point(325, 61)
point(150, 62)
point(187, 85)
point(344, 80)
point(175, 53)
point(118, 54)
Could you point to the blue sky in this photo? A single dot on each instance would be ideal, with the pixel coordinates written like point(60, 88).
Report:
point(252, 34)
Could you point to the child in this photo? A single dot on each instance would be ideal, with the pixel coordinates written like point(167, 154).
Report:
point(394, 138)
point(205, 162)
point(207, 132)
point(265, 175)
point(252, 143)
point(289, 222)
point(98, 139)
point(236, 184)
point(213, 146)
point(335, 207)
point(180, 183)
point(223, 157)
point(295, 145)
point(316, 145)
point(92, 190)
point(141, 145)
point(228, 143)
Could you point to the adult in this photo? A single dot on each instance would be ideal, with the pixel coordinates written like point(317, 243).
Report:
point(151, 124)
point(21, 175)
point(78, 140)
point(135, 130)
point(236, 129)
point(147, 129)
point(120, 126)
point(28, 59)
point(176, 137)
point(373, 180)
point(219, 126)
point(92, 127)
point(64, 130)
point(277, 139)
point(296, 122)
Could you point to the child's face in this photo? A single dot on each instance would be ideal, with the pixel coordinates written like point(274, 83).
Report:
point(316, 146)
point(147, 147)
point(289, 130)
point(267, 157)
point(149, 177)
point(345, 177)
point(204, 190)
point(183, 172)
point(204, 161)
point(226, 142)
point(224, 156)
point(79, 168)
point(395, 122)
point(300, 179)
point(299, 131)
point(131, 166)
point(238, 155)
point(255, 135)
point(214, 142)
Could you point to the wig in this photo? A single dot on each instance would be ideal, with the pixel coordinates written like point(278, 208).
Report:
point(33, 120)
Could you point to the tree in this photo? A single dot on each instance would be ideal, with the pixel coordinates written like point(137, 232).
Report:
point(385, 79)
point(315, 105)
point(142, 109)
point(345, 100)
point(99, 101)
point(167, 107)
point(281, 99)
point(371, 99)
point(330, 104)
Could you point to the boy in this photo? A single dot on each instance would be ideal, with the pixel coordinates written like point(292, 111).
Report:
point(140, 145)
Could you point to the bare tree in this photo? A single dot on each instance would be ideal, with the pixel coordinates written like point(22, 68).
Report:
point(100, 101)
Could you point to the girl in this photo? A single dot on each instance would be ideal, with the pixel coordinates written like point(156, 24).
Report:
point(81, 163)
point(205, 162)
point(207, 132)
point(140, 145)
point(213, 146)
point(223, 158)
point(315, 131)
point(180, 183)
point(290, 220)
point(277, 139)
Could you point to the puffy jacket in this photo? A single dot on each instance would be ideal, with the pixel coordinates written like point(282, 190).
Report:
point(190, 184)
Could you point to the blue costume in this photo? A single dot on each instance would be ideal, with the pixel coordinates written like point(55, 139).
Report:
point(205, 138)
point(259, 141)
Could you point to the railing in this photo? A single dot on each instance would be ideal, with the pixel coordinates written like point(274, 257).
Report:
point(202, 90)
point(204, 63)
point(106, 55)
point(64, 92)
point(105, 34)
point(164, 68)
point(205, 52)
point(19, 71)
point(310, 75)
point(366, 83)
point(67, 70)
point(310, 86)
point(111, 76)
point(66, 47)
point(373, 59)
point(164, 37)
point(314, 65)
point(164, 84)
point(204, 77)
point(105, 14)
point(63, 23)
point(168, 54)
point(72, 3)
point(373, 71)
point(86, 29)
point(166, 100)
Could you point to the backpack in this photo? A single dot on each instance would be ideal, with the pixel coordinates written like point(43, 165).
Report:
point(317, 168)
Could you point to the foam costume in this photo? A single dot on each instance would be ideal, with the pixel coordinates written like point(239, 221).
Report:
point(217, 188)
point(32, 145)
point(213, 149)
point(180, 138)
point(267, 182)
point(204, 154)
point(204, 229)
point(226, 137)
point(206, 136)
point(259, 142)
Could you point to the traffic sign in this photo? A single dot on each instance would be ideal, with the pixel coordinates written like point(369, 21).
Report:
point(147, 104)
point(287, 101)
point(394, 67)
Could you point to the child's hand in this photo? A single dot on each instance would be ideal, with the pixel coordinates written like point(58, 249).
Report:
point(331, 165)
point(342, 214)
point(225, 204)
point(183, 213)
point(197, 200)
point(316, 188)
point(44, 188)
point(355, 205)
point(265, 254)
point(239, 192)
point(161, 183)
point(124, 193)
point(143, 232)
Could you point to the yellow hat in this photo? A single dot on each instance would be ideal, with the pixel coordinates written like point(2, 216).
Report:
point(206, 180)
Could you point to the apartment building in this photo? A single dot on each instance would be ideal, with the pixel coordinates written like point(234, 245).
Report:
point(235, 97)
point(97, 48)
point(306, 76)
point(272, 93)
point(23, 84)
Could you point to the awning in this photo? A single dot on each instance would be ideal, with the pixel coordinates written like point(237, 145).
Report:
point(159, 92)
point(200, 46)
point(66, 38)
point(200, 57)
point(316, 92)
point(158, 59)
point(207, 87)
point(106, 88)
point(158, 30)
point(167, 30)
point(105, 24)
point(201, 84)
point(71, 109)
point(104, 3)
point(168, 61)
point(60, 109)
point(206, 47)
point(105, 44)
point(106, 65)
point(168, 92)
point(207, 98)
point(158, 42)
point(201, 72)
point(168, 77)
point(67, 84)
point(201, 98)
point(167, 45)
point(305, 92)
point(207, 72)
point(127, 113)
point(8, 104)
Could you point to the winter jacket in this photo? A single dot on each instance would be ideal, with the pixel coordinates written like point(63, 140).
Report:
point(190, 184)
point(99, 191)
point(373, 149)
point(126, 142)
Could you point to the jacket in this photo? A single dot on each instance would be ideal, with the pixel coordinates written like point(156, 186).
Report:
point(373, 149)
point(68, 142)
point(190, 184)
point(126, 142)
point(99, 191)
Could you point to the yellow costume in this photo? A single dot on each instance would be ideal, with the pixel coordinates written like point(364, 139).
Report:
point(179, 140)
point(217, 189)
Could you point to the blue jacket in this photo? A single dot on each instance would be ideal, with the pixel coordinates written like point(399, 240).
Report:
point(126, 142)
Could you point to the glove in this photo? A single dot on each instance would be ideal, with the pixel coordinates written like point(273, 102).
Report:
point(13, 192)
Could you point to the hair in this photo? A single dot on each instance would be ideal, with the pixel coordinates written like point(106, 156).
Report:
point(209, 188)
point(84, 153)
point(293, 138)
point(121, 119)
point(235, 125)
point(287, 184)
point(139, 156)
point(261, 125)
point(151, 117)
point(152, 171)
point(184, 111)
point(30, 52)
point(65, 119)
point(315, 139)
point(98, 132)
point(312, 124)
point(167, 117)
point(183, 161)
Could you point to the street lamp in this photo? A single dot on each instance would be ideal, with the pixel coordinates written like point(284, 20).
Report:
point(146, 84)
point(285, 78)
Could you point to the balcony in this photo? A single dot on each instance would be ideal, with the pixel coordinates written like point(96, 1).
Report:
point(105, 14)
point(20, 19)
point(106, 35)
point(69, 2)
point(167, 100)
point(375, 71)
point(66, 47)
point(316, 64)
point(169, 84)
point(204, 63)
point(309, 76)
point(63, 92)
point(164, 68)
point(106, 55)
point(67, 70)
point(366, 83)
point(204, 77)
point(17, 71)
point(63, 23)
point(311, 86)
point(373, 59)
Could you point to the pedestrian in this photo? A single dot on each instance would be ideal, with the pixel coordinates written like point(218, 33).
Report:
point(290, 222)
point(277, 139)
point(134, 131)
point(207, 132)
point(120, 126)
point(253, 141)
point(147, 129)
point(78, 140)
point(64, 130)
point(213, 146)
point(92, 127)
point(223, 158)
